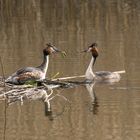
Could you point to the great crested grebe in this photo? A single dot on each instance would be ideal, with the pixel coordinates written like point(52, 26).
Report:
point(33, 73)
point(101, 75)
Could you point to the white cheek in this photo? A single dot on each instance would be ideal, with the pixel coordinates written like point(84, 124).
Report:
point(89, 49)
point(52, 50)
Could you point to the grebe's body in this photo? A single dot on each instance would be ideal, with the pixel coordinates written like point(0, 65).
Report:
point(26, 74)
point(33, 73)
point(101, 75)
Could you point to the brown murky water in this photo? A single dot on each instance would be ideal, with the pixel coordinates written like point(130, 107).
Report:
point(25, 27)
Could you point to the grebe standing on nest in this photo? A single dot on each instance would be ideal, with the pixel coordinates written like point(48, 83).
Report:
point(33, 73)
point(101, 75)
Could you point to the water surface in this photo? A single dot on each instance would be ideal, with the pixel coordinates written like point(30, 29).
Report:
point(26, 26)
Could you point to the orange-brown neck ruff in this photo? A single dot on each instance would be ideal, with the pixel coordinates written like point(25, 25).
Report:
point(94, 54)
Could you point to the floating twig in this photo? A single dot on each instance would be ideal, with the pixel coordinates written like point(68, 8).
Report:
point(71, 77)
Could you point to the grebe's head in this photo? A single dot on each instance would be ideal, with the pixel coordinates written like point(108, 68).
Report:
point(93, 49)
point(50, 49)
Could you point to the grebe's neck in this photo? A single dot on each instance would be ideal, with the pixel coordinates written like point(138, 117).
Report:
point(89, 72)
point(45, 63)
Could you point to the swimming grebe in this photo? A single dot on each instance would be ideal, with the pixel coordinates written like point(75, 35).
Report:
point(33, 73)
point(101, 75)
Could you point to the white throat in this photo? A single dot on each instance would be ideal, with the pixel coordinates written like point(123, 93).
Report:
point(89, 73)
point(46, 64)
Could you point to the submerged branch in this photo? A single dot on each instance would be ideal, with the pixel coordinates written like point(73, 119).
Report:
point(38, 91)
